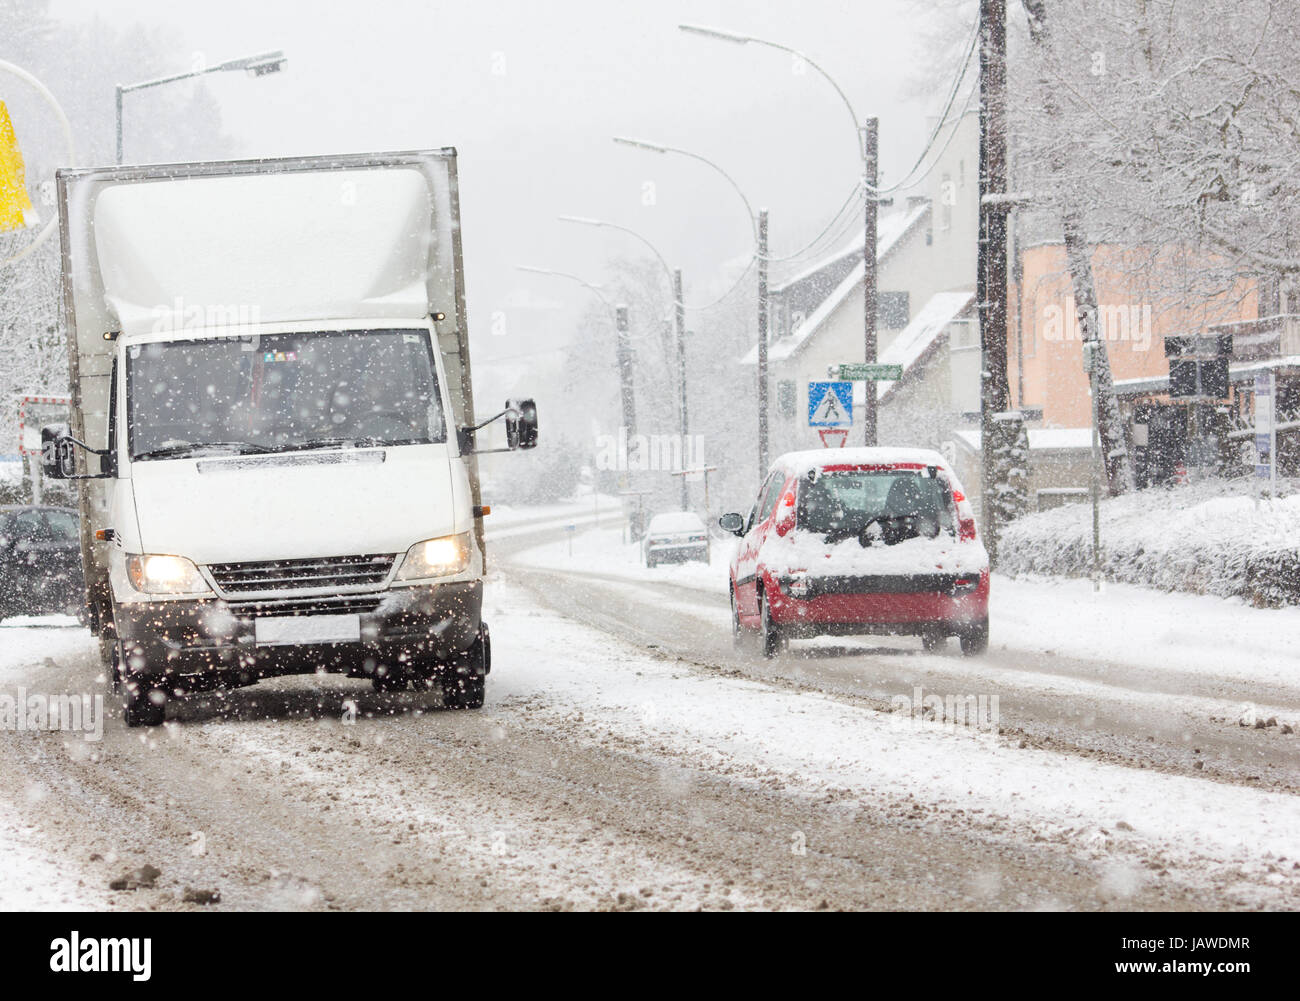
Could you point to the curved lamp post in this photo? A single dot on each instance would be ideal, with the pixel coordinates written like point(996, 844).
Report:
point(70, 151)
point(758, 222)
point(623, 345)
point(259, 65)
point(679, 322)
point(866, 140)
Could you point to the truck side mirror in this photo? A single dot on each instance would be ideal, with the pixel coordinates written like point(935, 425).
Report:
point(521, 430)
point(58, 460)
point(733, 523)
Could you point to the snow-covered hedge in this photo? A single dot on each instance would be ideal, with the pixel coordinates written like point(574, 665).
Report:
point(1214, 537)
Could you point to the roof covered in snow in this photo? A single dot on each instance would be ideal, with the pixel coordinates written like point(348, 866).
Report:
point(889, 230)
point(889, 235)
point(1040, 439)
point(1239, 372)
point(918, 337)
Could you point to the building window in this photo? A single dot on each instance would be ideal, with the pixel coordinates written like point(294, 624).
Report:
point(892, 310)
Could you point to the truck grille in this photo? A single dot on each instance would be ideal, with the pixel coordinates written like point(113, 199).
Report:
point(322, 605)
point(301, 575)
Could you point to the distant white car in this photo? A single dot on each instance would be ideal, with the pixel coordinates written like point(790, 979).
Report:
point(676, 537)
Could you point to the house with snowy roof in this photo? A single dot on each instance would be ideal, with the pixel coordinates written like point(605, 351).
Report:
point(927, 323)
point(925, 279)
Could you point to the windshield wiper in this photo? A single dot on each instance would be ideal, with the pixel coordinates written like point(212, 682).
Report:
point(364, 442)
point(190, 447)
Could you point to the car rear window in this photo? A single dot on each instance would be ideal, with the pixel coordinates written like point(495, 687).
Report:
point(894, 504)
point(63, 524)
point(29, 526)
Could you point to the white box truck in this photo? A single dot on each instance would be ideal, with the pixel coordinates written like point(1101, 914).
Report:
point(273, 423)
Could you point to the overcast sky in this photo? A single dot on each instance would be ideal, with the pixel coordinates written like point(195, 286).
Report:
point(530, 94)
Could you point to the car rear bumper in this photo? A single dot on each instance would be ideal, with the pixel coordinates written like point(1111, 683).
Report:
point(883, 604)
point(678, 553)
point(194, 637)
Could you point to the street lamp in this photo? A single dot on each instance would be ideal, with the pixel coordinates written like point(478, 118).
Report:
point(70, 153)
point(659, 148)
point(623, 345)
point(260, 65)
point(679, 319)
point(759, 224)
point(866, 140)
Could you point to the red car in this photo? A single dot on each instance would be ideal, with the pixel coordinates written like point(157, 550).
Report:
point(858, 541)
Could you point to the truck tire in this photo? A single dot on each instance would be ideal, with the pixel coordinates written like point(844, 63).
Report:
point(113, 655)
point(388, 678)
point(975, 639)
point(143, 704)
point(464, 686)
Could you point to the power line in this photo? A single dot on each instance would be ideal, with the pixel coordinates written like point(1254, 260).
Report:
point(853, 201)
point(907, 179)
point(749, 266)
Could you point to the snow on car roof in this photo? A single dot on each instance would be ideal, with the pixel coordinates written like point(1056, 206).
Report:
point(676, 521)
point(800, 463)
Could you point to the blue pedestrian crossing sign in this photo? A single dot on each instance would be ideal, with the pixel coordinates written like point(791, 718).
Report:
point(830, 404)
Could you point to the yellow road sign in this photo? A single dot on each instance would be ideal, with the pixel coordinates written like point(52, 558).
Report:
point(15, 205)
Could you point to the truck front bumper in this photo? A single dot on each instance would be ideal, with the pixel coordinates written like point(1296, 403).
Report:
point(425, 622)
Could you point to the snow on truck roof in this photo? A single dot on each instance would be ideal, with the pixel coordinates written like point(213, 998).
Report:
point(298, 239)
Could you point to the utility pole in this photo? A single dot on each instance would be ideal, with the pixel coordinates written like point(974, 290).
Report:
point(1090, 359)
point(624, 348)
point(119, 123)
point(679, 313)
point(991, 273)
point(762, 343)
point(870, 297)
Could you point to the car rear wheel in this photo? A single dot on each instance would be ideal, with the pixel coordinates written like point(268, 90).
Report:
point(933, 640)
point(773, 639)
point(975, 639)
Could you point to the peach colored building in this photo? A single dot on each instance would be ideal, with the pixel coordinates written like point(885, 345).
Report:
point(1045, 354)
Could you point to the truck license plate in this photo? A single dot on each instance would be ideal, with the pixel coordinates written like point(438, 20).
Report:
point(295, 629)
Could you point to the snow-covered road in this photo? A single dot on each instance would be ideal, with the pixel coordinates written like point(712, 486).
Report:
point(628, 757)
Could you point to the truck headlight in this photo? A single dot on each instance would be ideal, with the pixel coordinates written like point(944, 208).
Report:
point(436, 557)
point(164, 575)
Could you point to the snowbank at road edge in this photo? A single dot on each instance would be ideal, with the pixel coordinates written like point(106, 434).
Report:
point(1216, 537)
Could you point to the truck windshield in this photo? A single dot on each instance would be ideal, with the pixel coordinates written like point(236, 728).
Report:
point(282, 392)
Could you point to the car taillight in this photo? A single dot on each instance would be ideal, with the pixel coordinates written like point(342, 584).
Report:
point(965, 517)
point(785, 513)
